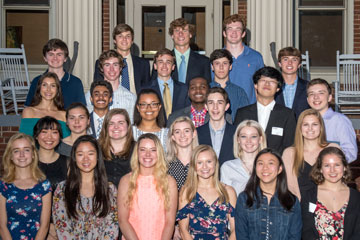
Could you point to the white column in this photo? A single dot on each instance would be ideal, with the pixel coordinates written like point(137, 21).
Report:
point(81, 21)
point(270, 21)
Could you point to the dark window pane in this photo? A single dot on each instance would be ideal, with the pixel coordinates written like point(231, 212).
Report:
point(327, 3)
point(120, 11)
point(322, 39)
point(27, 2)
point(30, 28)
point(226, 13)
point(153, 28)
point(196, 17)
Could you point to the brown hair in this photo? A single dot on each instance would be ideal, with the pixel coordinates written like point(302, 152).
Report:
point(180, 22)
point(234, 18)
point(54, 44)
point(218, 90)
point(109, 54)
point(162, 52)
point(120, 28)
point(289, 51)
point(316, 81)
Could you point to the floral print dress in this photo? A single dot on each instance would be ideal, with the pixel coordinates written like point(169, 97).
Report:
point(207, 221)
point(23, 208)
point(87, 226)
point(329, 224)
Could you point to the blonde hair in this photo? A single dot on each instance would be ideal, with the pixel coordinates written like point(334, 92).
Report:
point(171, 144)
point(8, 166)
point(299, 139)
point(160, 171)
point(192, 181)
point(238, 151)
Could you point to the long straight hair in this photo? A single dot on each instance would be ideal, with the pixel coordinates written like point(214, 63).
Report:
point(286, 198)
point(192, 181)
point(101, 199)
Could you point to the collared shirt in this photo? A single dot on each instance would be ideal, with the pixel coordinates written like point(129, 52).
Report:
point(170, 83)
point(289, 91)
point(340, 130)
point(130, 66)
point(178, 171)
point(122, 98)
point(217, 138)
point(237, 96)
point(96, 122)
point(264, 113)
point(233, 173)
point(243, 68)
point(178, 58)
point(198, 117)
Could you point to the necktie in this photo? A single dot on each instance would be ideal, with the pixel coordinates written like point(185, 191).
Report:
point(182, 70)
point(167, 99)
point(125, 76)
point(100, 121)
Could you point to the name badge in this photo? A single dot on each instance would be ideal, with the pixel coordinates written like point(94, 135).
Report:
point(277, 131)
point(312, 207)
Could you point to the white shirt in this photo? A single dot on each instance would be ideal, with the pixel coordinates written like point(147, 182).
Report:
point(264, 113)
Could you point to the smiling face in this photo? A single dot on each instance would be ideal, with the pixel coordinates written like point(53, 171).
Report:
point(147, 153)
point(164, 65)
point(86, 157)
point(48, 89)
point(181, 36)
point(77, 120)
point(267, 169)
point(221, 68)
point(319, 98)
point(234, 33)
point(310, 127)
point(249, 139)
point(332, 168)
point(48, 139)
point(148, 106)
point(198, 89)
point(118, 127)
point(216, 106)
point(101, 98)
point(205, 165)
point(111, 69)
point(183, 135)
point(289, 64)
point(55, 58)
point(21, 153)
point(123, 41)
point(266, 87)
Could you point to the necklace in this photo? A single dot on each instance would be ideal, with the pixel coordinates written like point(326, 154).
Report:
point(267, 193)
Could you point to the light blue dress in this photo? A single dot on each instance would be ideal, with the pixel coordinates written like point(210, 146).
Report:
point(27, 126)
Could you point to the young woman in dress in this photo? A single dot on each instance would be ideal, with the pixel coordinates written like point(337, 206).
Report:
point(84, 206)
point(25, 195)
point(206, 206)
point(149, 116)
point(117, 144)
point(182, 139)
point(78, 120)
point(331, 210)
point(147, 198)
point(267, 209)
point(249, 139)
point(309, 140)
point(47, 101)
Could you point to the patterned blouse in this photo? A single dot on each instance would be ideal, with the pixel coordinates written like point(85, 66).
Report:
point(206, 221)
point(178, 171)
point(23, 208)
point(87, 226)
point(162, 135)
point(329, 224)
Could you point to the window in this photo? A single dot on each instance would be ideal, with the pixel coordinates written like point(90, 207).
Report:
point(26, 22)
point(321, 29)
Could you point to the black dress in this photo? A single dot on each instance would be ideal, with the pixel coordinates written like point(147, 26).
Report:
point(304, 179)
point(56, 171)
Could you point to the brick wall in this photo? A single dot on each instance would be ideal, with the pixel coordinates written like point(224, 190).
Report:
point(106, 25)
point(242, 9)
point(5, 134)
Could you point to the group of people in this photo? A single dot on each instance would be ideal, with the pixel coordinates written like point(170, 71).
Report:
point(203, 148)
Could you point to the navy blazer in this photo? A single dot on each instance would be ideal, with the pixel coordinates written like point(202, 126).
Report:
point(281, 117)
point(141, 72)
point(300, 99)
point(351, 220)
point(198, 66)
point(92, 125)
point(180, 97)
point(226, 151)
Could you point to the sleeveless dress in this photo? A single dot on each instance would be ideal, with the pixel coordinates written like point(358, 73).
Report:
point(147, 212)
point(23, 208)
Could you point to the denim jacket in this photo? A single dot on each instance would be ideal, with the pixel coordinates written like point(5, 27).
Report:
point(268, 221)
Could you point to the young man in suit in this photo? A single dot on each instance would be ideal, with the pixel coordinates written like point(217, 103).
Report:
point(136, 71)
point(111, 66)
point(189, 64)
point(173, 93)
point(278, 121)
point(101, 95)
point(338, 127)
point(245, 60)
point(218, 133)
point(293, 92)
point(55, 53)
point(221, 64)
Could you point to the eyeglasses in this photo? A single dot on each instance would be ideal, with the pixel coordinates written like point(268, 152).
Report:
point(153, 105)
point(270, 82)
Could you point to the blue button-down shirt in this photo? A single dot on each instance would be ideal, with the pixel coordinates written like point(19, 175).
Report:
point(170, 83)
point(289, 91)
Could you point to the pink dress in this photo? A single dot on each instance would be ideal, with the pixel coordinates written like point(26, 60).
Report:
point(147, 213)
